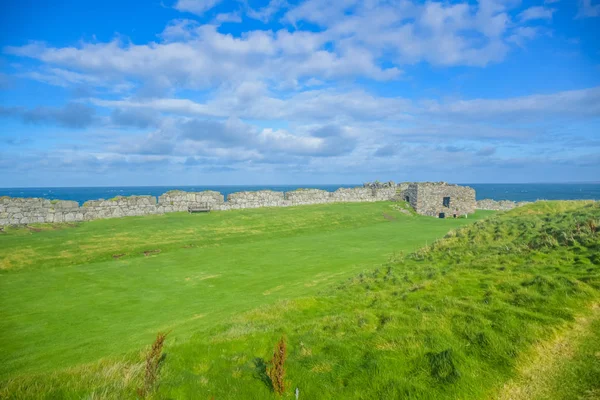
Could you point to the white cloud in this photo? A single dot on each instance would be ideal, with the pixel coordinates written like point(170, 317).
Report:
point(587, 9)
point(436, 32)
point(197, 7)
point(72, 115)
point(375, 41)
point(537, 12)
point(364, 127)
point(523, 34)
point(228, 17)
point(179, 29)
point(185, 137)
point(266, 13)
point(66, 78)
point(583, 103)
point(294, 96)
point(210, 58)
point(253, 101)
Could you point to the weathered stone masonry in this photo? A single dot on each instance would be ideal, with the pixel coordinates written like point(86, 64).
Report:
point(425, 197)
point(437, 198)
point(19, 211)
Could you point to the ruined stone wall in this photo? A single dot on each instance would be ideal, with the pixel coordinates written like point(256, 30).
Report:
point(178, 200)
point(379, 185)
point(407, 192)
point(430, 199)
point(386, 193)
point(119, 206)
point(352, 195)
point(502, 205)
point(404, 185)
point(18, 211)
point(308, 196)
point(260, 198)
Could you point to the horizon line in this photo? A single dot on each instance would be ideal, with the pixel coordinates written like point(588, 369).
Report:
point(293, 184)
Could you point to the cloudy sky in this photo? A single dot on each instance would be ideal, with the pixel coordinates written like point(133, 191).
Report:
point(264, 92)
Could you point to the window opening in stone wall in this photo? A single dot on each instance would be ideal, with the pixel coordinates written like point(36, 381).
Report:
point(446, 202)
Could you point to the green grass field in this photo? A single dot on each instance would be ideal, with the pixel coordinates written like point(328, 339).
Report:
point(75, 294)
point(502, 307)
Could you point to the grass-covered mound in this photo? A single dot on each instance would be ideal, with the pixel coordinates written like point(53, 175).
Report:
point(461, 318)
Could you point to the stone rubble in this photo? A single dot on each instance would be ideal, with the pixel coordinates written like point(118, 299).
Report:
point(502, 205)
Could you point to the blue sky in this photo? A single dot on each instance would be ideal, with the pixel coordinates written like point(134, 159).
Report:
point(264, 92)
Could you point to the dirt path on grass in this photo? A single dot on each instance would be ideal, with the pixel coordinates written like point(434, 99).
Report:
point(542, 368)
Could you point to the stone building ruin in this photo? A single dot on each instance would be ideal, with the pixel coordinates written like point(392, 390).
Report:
point(438, 199)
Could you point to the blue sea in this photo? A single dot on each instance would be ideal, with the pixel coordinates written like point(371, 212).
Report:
point(495, 191)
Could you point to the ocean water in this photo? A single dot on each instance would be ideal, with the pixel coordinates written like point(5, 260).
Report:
point(537, 191)
point(495, 191)
point(83, 194)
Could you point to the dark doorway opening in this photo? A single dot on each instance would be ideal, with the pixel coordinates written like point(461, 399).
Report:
point(407, 199)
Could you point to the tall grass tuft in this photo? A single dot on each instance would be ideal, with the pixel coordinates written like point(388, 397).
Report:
point(442, 366)
point(277, 369)
point(593, 226)
point(153, 361)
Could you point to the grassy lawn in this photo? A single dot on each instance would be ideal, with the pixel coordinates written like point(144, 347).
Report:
point(506, 307)
point(457, 319)
point(75, 294)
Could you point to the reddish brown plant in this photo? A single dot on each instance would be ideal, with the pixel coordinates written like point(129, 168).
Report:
point(276, 370)
point(153, 359)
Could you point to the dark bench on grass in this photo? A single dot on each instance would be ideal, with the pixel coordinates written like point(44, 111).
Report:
point(202, 207)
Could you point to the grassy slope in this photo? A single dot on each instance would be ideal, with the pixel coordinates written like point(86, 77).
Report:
point(461, 318)
point(66, 300)
point(450, 321)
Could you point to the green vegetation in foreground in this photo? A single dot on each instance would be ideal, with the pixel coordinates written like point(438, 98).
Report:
point(75, 294)
point(455, 320)
point(565, 367)
point(461, 318)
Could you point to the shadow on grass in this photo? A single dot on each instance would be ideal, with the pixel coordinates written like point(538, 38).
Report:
point(260, 372)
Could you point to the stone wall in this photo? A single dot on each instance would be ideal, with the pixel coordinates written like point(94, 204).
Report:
point(260, 198)
point(501, 205)
point(408, 192)
point(18, 211)
point(119, 206)
point(386, 193)
point(379, 185)
point(308, 196)
point(352, 195)
point(178, 200)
